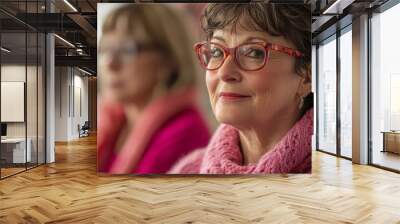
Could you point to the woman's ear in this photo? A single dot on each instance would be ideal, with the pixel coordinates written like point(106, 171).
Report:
point(305, 82)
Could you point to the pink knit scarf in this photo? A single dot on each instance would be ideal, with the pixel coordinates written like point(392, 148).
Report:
point(154, 116)
point(291, 155)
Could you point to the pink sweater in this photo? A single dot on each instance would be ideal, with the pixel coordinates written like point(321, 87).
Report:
point(167, 129)
point(179, 136)
point(292, 154)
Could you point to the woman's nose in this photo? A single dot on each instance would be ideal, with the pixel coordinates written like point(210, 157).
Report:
point(114, 62)
point(229, 71)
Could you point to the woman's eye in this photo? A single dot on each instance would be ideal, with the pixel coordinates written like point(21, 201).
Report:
point(254, 53)
point(216, 52)
point(129, 50)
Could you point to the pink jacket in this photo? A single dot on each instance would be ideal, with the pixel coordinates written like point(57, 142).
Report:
point(292, 154)
point(168, 128)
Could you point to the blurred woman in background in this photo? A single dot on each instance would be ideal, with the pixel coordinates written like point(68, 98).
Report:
point(257, 58)
point(148, 116)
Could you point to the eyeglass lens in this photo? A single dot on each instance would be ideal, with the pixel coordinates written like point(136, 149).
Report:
point(249, 56)
point(123, 52)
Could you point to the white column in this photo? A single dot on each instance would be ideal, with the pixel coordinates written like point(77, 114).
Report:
point(50, 110)
point(360, 90)
point(50, 92)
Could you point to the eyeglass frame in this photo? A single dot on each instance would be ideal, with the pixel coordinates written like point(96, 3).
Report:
point(233, 51)
point(139, 48)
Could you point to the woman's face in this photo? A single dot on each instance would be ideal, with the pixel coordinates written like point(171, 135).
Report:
point(129, 76)
point(264, 95)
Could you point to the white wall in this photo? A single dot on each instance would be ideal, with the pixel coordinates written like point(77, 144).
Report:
point(12, 101)
point(70, 83)
point(12, 73)
point(16, 73)
point(80, 93)
point(61, 103)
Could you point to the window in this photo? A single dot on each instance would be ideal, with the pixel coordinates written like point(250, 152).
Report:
point(346, 93)
point(385, 89)
point(327, 96)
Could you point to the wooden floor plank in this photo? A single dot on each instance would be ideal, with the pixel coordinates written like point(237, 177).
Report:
point(70, 191)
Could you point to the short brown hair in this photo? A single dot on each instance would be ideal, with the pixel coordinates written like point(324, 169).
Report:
point(174, 40)
point(291, 21)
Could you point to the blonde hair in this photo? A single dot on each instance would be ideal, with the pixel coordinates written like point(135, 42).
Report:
point(166, 28)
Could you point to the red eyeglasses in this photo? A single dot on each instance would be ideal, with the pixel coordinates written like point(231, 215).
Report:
point(248, 56)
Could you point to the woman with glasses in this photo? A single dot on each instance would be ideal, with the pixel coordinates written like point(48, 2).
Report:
point(148, 117)
point(257, 61)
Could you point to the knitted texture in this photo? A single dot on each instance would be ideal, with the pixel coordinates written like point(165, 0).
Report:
point(292, 154)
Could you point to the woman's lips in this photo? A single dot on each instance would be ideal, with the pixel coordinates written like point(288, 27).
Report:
point(230, 96)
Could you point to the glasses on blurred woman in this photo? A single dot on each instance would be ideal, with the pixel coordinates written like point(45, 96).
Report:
point(248, 56)
point(124, 52)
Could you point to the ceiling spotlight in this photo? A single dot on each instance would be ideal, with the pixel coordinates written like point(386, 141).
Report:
point(5, 50)
point(64, 40)
point(337, 7)
point(84, 71)
point(70, 5)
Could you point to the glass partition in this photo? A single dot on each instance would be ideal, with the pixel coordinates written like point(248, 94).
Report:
point(41, 108)
point(14, 151)
point(22, 77)
point(32, 96)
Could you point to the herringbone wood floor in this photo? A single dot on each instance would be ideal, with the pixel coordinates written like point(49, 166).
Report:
point(70, 191)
